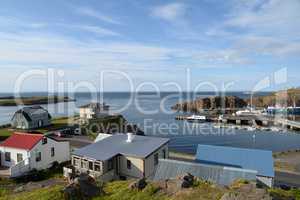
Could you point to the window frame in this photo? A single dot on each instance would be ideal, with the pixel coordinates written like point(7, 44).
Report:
point(76, 162)
point(19, 160)
point(52, 152)
point(96, 165)
point(38, 156)
point(91, 165)
point(110, 165)
point(7, 156)
point(156, 159)
point(129, 164)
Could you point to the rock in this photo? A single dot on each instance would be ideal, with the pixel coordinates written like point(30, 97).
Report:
point(139, 184)
point(187, 181)
point(246, 191)
point(83, 187)
point(19, 189)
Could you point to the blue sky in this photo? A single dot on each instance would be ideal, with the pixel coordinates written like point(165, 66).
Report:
point(159, 42)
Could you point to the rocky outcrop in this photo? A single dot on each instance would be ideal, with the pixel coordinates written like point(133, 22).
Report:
point(211, 103)
point(83, 187)
point(246, 191)
point(138, 185)
point(282, 98)
point(187, 181)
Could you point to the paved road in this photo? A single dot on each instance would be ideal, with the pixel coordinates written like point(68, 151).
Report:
point(283, 178)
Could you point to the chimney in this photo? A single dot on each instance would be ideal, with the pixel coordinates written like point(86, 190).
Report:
point(129, 137)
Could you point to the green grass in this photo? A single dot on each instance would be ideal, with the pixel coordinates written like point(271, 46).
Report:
point(285, 195)
point(50, 193)
point(57, 123)
point(5, 133)
point(119, 190)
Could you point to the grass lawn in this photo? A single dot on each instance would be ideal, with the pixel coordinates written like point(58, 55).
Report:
point(48, 193)
point(57, 123)
point(5, 133)
point(119, 190)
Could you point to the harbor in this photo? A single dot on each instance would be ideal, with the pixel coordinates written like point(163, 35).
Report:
point(256, 121)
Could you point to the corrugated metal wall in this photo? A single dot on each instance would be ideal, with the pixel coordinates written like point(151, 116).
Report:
point(168, 169)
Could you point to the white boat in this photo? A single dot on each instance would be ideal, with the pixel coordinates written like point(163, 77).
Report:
point(196, 118)
point(250, 128)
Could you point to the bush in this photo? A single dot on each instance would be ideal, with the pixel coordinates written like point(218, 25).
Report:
point(280, 194)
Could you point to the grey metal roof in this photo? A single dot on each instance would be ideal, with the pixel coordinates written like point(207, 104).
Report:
point(31, 111)
point(170, 169)
point(140, 147)
point(259, 160)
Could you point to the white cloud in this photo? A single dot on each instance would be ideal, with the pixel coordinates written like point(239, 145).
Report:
point(97, 30)
point(96, 14)
point(261, 27)
point(273, 17)
point(169, 12)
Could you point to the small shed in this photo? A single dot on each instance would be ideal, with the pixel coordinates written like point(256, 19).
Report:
point(251, 159)
point(31, 117)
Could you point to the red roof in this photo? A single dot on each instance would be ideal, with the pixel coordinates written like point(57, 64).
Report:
point(22, 140)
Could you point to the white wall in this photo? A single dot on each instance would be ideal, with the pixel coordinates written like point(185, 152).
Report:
point(62, 153)
point(137, 167)
point(13, 155)
point(88, 113)
point(140, 166)
point(268, 181)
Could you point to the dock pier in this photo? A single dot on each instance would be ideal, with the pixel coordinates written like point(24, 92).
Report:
point(250, 120)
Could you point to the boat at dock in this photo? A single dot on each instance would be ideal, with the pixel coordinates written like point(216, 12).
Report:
point(196, 118)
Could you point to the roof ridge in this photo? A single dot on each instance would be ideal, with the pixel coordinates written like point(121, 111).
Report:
point(31, 134)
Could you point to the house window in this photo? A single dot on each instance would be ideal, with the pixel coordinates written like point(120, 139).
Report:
point(110, 165)
point(76, 162)
point(19, 157)
point(44, 140)
point(128, 164)
point(91, 165)
point(38, 157)
point(97, 167)
point(40, 123)
point(84, 164)
point(156, 159)
point(7, 156)
point(164, 154)
point(52, 152)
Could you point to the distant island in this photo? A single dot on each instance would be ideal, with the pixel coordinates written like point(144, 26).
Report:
point(284, 98)
point(35, 100)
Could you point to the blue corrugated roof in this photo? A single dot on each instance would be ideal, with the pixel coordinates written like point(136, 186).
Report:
point(253, 159)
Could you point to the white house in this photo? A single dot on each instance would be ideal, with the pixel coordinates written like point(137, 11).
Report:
point(121, 156)
point(23, 152)
point(93, 110)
